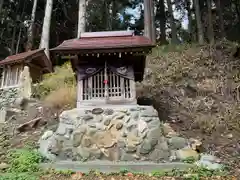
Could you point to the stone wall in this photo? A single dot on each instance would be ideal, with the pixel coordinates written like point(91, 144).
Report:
point(114, 133)
point(8, 96)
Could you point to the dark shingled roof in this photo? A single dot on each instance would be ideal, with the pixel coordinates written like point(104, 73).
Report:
point(36, 56)
point(105, 41)
point(19, 57)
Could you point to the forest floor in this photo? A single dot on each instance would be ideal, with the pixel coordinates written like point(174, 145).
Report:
point(195, 90)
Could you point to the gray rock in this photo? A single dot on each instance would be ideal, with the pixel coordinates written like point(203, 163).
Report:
point(128, 157)
point(133, 109)
point(96, 153)
point(121, 144)
point(153, 142)
point(84, 153)
point(97, 111)
point(154, 133)
point(98, 118)
point(87, 117)
point(158, 155)
point(149, 112)
point(123, 134)
point(154, 123)
point(123, 111)
point(177, 142)
point(69, 132)
point(3, 115)
point(108, 111)
point(92, 125)
point(147, 119)
point(184, 154)
point(61, 130)
point(120, 116)
point(4, 166)
point(86, 142)
point(66, 154)
point(210, 158)
point(107, 122)
point(131, 149)
point(209, 165)
point(119, 126)
point(127, 119)
point(135, 115)
point(77, 138)
point(100, 126)
point(145, 147)
point(162, 146)
point(131, 125)
point(47, 135)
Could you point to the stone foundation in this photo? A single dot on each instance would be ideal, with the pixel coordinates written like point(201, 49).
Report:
point(114, 133)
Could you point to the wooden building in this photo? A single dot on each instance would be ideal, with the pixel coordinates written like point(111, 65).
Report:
point(107, 65)
point(12, 66)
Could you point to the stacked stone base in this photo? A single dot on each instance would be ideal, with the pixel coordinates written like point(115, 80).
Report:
point(114, 133)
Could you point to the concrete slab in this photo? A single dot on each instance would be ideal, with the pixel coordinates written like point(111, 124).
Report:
point(114, 167)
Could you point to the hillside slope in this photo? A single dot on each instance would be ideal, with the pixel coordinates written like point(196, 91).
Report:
point(196, 89)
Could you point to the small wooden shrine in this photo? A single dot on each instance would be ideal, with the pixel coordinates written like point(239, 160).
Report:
point(107, 65)
point(12, 66)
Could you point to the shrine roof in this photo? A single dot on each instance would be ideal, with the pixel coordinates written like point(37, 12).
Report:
point(36, 56)
point(105, 42)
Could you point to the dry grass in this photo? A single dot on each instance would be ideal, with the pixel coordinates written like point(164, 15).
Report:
point(58, 88)
point(195, 84)
point(64, 97)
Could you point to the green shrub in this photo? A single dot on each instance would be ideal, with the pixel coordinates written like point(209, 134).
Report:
point(24, 160)
point(18, 176)
point(61, 77)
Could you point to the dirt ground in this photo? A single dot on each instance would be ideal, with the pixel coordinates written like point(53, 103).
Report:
point(126, 177)
point(226, 146)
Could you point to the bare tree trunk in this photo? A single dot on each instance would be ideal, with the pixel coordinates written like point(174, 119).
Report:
point(199, 22)
point(147, 19)
point(174, 39)
point(162, 19)
point(46, 27)
point(30, 29)
point(81, 17)
point(220, 15)
point(153, 28)
point(189, 11)
point(1, 5)
point(149, 24)
point(19, 39)
point(210, 23)
point(110, 16)
point(13, 40)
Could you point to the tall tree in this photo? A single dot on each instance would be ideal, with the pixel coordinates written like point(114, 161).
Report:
point(149, 28)
point(190, 20)
point(30, 29)
point(210, 22)
point(46, 27)
point(81, 17)
point(153, 28)
point(221, 21)
point(174, 38)
point(147, 19)
point(199, 22)
point(1, 5)
point(161, 17)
